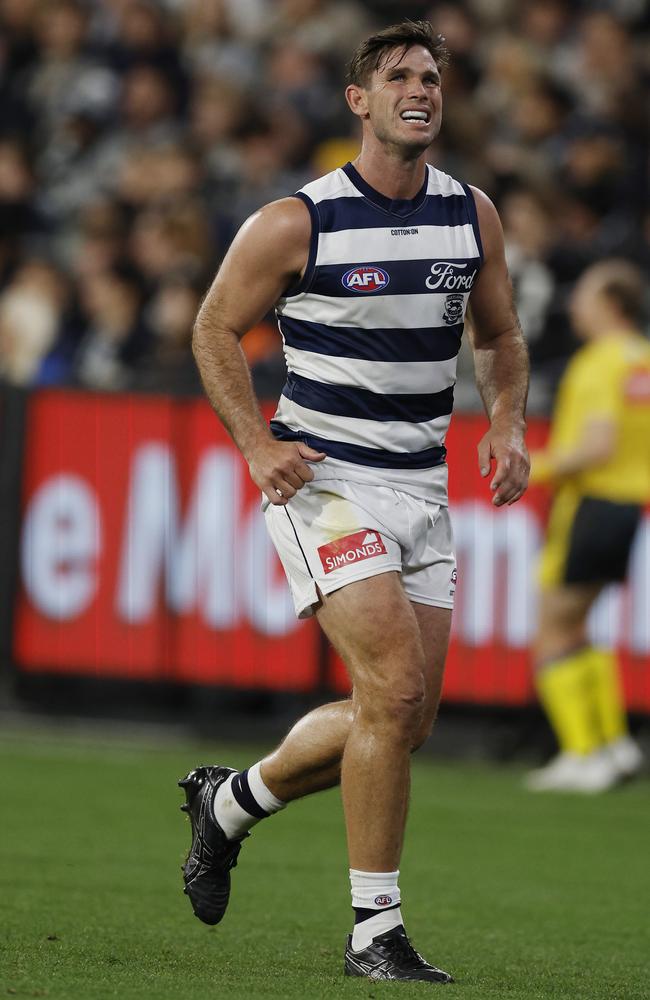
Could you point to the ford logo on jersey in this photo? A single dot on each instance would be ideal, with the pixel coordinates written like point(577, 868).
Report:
point(450, 275)
point(368, 278)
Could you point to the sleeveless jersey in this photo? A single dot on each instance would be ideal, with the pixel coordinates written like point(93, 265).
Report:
point(372, 331)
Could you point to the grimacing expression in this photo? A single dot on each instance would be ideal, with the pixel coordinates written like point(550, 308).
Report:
point(403, 100)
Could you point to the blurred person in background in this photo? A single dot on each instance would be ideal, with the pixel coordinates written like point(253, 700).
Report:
point(63, 64)
point(143, 34)
point(147, 119)
point(597, 463)
point(69, 164)
point(170, 243)
point(298, 83)
point(166, 176)
point(605, 72)
point(217, 36)
point(167, 365)
point(353, 467)
point(31, 312)
point(318, 26)
point(115, 337)
point(264, 172)
point(99, 241)
point(547, 27)
point(528, 231)
point(218, 110)
point(21, 222)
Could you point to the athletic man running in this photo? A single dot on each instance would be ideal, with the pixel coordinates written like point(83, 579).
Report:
point(370, 269)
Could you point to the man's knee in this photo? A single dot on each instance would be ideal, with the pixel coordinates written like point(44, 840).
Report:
point(396, 705)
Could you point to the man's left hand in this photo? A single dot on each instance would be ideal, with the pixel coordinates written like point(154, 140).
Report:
point(505, 445)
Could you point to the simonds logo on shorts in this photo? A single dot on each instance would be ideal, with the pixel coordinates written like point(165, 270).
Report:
point(350, 549)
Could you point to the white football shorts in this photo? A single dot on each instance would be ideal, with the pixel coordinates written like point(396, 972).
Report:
point(333, 532)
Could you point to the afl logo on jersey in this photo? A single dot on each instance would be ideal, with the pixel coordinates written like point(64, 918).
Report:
point(365, 279)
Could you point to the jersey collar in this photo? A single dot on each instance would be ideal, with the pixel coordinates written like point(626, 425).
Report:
point(402, 207)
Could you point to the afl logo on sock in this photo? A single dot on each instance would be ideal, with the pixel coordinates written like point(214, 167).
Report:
point(365, 279)
point(383, 900)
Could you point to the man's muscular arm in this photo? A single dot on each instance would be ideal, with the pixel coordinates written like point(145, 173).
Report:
point(268, 253)
point(501, 363)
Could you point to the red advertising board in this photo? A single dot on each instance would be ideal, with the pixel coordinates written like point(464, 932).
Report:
point(144, 555)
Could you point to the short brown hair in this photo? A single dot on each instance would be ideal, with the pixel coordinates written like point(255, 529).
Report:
point(368, 55)
point(622, 283)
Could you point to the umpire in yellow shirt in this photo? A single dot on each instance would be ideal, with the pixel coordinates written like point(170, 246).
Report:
point(597, 463)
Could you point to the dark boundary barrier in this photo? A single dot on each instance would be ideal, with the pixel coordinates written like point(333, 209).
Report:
point(13, 404)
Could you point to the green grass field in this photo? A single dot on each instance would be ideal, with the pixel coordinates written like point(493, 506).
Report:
point(519, 897)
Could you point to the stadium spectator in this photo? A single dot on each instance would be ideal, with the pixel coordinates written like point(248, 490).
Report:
point(598, 466)
point(211, 43)
point(527, 223)
point(63, 67)
point(99, 240)
point(31, 313)
point(20, 219)
point(318, 26)
point(170, 243)
point(168, 366)
point(227, 103)
point(115, 336)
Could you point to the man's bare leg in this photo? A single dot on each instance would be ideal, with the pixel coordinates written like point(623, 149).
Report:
point(309, 758)
point(387, 667)
point(392, 714)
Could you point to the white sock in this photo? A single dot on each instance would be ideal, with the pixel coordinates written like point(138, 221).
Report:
point(377, 892)
point(242, 801)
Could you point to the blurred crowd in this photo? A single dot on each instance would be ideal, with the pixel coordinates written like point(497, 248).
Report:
point(137, 135)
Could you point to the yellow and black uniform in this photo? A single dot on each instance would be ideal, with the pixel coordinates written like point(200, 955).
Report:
point(596, 511)
point(592, 525)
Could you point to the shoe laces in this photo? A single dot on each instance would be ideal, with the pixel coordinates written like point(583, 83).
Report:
point(404, 950)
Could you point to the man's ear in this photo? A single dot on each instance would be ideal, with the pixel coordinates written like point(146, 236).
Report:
point(356, 98)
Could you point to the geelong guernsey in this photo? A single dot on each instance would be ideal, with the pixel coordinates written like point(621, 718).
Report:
point(372, 331)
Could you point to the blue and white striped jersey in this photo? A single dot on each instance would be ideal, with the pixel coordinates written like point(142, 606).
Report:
point(372, 331)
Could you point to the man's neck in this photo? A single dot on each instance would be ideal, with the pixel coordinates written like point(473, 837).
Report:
point(391, 175)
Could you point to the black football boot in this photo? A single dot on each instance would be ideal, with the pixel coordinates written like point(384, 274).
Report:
point(392, 956)
point(206, 872)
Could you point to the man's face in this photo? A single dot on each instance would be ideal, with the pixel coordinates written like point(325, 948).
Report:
point(402, 99)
